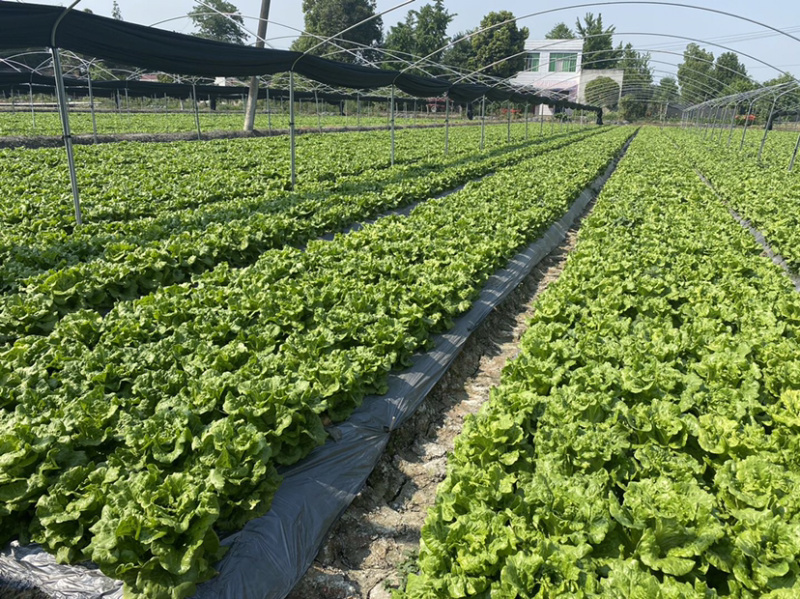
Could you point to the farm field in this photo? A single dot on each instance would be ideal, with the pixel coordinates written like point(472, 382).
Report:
point(22, 122)
point(644, 442)
point(206, 218)
point(171, 413)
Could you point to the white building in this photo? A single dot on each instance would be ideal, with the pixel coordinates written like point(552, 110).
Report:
point(554, 68)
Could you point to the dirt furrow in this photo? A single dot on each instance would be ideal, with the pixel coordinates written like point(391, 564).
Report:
point(372, 546)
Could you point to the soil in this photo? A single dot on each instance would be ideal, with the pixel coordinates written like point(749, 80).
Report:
point(373, 545)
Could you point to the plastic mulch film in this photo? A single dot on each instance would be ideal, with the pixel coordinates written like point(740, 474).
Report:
point(271, 553)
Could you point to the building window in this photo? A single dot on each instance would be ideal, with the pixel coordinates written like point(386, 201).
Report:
point(563, 62)
point(532, 63)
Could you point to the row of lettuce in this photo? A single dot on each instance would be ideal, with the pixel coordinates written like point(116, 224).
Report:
point(49, 276)
point(767, 194)
point(133, 439)
point(134, 180)
point(41, 121)
point(646, 442)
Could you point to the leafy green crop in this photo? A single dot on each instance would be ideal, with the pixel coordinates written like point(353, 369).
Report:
point(645, 442)
point(99, 267)
point(134, 438)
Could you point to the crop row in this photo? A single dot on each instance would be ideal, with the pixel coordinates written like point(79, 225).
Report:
point(111, 123)
point(645, 442)
point(133, 266)
point(768, 197)
point(44, 242)
point(130, 439)
point(133, 180)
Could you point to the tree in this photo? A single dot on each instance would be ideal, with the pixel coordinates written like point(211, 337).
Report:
point(499, 43)
point(784, 99)
point(631, 108)
point(598, 43)
point(603, 91)
point(460, 55)
point(116, 13)
point(423, 33)
point(326, 18)
point(728, 70)
point(560, 32)
point(696, 75)
point(638, 80)
point(667, 90)
point(224, 23)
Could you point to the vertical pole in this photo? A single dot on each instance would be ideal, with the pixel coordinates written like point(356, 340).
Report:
point(64, 111)
point(291, 129)
point(252, 92)
point(733, 122)
point(358, 110)
point(196, 109)
point(269, 112)
point(483, 122)
point(746, 123)
point(446, 123)
point(526, 121)
point(127, 100)
point(391, 119)
point(319, 118)
point(91, 105)
point(541, 120)
point(33, 112)
point(508, 132)
point(766, 128)
point(794, 156)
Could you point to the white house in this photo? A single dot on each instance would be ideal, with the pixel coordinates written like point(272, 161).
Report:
point(554, 68)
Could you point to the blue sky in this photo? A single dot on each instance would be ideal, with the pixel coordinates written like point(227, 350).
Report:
point(630, 21)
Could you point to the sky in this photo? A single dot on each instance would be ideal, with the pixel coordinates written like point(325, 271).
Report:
point(631, 21)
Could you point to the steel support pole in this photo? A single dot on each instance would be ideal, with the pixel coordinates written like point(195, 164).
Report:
point(196, 109)
point(33, 112)
point(63, 108)
point(91, 106)
point(713, 125)
point(541, 120)
point(746, 123)
point(291, 129)
point(319, 118)
point(733, 122)
point(391, 120)
point(508, 132)
point(483, 122)
point(526, 121)
point(446, 124)
point(358, 110)
point(766, 128)
point(269, 112)
point(794, 155)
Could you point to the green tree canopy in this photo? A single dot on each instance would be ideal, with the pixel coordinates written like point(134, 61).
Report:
point(598, 43)
point(225, 27)
point(423, 33)
point(326, 18)
point(603, 91)
point(667, 90)
point(638, 81)
point(460, 55)
point(696, 75)
point(499, 43)
point(785, 99)
point(729, 70)
point(560, 32)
